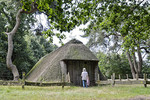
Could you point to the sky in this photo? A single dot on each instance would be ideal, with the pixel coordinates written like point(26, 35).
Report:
point(74, 34)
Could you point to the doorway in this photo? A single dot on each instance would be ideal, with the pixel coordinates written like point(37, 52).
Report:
point(74, 67)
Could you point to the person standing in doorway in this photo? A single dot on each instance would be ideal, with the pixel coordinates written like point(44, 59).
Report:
point(84, 76)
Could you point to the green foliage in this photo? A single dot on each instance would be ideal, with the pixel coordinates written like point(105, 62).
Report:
point(146, 69)
point(146, 66)
point(133, 24)
point(3, 44)
point(63, 15)
point(113, 63)
point(25, 53)
point(119, 17)
point(38, 46)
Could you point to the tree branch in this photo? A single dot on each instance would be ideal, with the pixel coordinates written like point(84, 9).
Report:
point(137, 5)
point(8, 18)
point(17, 22)
point(107, 36)
point(132, 9)
point(145, 49)
point(29, 12)
point(34, 6)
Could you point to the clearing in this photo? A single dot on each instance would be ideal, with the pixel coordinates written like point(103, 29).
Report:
point(126, 92)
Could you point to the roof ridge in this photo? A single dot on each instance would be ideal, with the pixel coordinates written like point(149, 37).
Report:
point(74, 41)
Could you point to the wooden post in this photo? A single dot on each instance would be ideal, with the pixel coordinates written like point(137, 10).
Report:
point(137, 77)
point(23, 79)
point(119, 77)
point(113, 76)
point(145, 79)
point(98, 77)
point(68, 77)
point(64, 72)
point(63, 81)
point(98, 80)
point(40, 82)
point(127, 77)
point(113, 79)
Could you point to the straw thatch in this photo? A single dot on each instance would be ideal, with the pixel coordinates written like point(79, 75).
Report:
point(48, 68)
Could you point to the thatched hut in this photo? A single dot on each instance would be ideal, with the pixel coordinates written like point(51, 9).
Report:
point(70, 58)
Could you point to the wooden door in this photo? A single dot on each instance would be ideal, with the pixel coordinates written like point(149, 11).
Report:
point(75, 69)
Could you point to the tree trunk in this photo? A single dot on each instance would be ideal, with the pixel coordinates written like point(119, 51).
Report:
point(11, 34)
point(131, 65)
point(9, 63)
point(140, 63)
point(9, 55)
point(135, 63)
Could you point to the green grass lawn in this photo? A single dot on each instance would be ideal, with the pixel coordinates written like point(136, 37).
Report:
point(73, 93)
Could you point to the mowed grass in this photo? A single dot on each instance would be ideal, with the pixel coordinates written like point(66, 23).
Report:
point(73, 93)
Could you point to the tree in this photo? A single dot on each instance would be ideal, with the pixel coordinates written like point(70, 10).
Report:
point(6, 19)
point(21, 57)
point(62, 14)
point(38, 46)
point(113, 63)
point(3, 46)
point(118, 23)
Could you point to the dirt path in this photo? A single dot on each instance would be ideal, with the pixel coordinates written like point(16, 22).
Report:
point(139, 98)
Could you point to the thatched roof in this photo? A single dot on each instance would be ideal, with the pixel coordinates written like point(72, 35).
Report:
point(48, 67)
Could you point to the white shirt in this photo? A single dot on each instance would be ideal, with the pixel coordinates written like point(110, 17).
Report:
point(84, 75)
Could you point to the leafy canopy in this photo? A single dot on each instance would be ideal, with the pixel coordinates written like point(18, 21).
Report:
point(63, 15)
point(128, 19)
